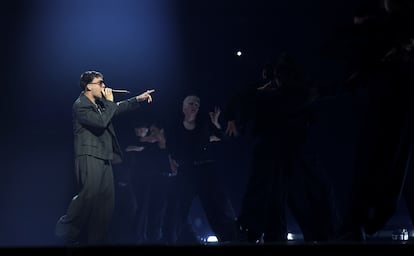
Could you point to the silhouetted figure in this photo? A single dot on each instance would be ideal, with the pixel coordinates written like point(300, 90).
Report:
point(279, 174)
point(384, 152)
point(147, 163)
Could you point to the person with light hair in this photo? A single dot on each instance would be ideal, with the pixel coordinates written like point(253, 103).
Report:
point(192, 160)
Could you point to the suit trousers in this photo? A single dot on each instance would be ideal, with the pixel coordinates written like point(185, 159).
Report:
point(90, 212)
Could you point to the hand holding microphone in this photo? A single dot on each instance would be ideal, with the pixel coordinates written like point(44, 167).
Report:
point(108, 92)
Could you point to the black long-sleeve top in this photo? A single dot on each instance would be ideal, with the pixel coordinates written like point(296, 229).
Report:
point(192, 146)
point(270, 111)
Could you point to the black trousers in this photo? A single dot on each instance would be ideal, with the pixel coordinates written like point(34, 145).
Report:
point(89, 214)
point(205, 182)
point(383, 165)
point(280, 178)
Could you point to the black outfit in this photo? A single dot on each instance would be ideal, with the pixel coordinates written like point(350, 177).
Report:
point(384, 153)
point(90, 212)
point(149, 172)
point(279, 175)
point(198, 176)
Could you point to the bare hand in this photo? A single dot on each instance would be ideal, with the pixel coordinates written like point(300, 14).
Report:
point(134, 148)
point(145, 96)
point(214, 116)
point(231, 129)
point(214, 138)
point(107, 93)
point(173, 166)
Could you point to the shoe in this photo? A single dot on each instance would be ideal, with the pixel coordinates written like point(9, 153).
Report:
point(245, 235)
point(65, 233)
point(355, 234)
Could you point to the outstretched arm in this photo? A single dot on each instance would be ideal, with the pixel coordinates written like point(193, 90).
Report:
point(146, 96)
point(133, 103)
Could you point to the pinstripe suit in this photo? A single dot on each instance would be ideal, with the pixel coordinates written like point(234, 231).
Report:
point(96, 146)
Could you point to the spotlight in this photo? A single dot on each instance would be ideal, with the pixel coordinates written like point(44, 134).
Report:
point(400, 234)
point(239, 53)
point(209, 239)
point(212, 239)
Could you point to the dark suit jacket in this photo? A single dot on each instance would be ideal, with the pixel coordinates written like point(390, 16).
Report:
point(93, 131)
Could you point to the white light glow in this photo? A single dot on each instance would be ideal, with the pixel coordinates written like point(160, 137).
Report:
point(212, 239)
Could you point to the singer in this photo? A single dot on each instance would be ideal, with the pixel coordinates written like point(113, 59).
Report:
point(95, 146)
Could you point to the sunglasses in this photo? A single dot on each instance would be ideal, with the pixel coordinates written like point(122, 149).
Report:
point(100, 82)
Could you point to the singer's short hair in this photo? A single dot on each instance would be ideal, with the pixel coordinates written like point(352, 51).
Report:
point(87, 77)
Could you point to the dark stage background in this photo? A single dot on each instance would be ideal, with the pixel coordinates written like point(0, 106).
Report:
point(174, 47)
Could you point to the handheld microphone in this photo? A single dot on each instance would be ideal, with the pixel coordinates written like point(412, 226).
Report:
point(119, 91)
